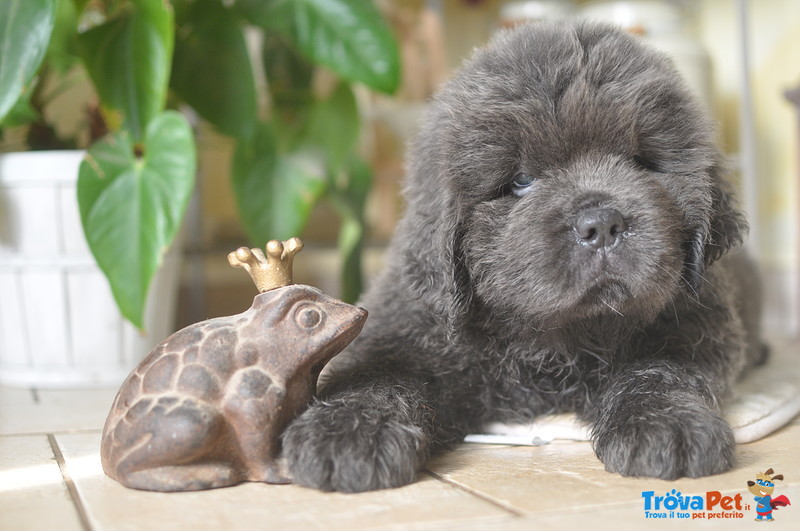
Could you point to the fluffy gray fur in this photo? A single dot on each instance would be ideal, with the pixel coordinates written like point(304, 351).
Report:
point(493, 307)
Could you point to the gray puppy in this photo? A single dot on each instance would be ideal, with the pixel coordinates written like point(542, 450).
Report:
point(562, 250)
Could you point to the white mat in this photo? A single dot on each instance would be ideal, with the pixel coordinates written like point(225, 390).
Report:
point(767, 399)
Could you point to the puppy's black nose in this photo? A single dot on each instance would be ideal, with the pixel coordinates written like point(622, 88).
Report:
point(600, 228)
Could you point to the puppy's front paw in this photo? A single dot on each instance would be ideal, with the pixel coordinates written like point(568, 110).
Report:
point(335, 446)
point(667, 443)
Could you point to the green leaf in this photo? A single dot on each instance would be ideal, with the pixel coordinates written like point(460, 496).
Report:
point(62, 53)
point(349, 196)
point(254, 11)
point(79, 4)
point(21, 113)
point(335, 125)
point(25, 28)
point(131, 207)
point(128, 58)
point(351, 243)
point(347, 36)
point(289, 77)
point(211, 69)
point(275, 192)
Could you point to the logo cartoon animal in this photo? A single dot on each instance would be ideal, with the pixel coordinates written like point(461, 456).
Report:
point(762, 488)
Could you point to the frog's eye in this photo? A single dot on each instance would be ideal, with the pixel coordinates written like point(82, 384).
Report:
point(308, 316)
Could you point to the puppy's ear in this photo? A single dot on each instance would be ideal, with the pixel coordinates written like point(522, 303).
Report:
point(459, 279)
point(432, 233)
point(435, 266)
point(728, 224)
point(726, 229)
point(694, 264)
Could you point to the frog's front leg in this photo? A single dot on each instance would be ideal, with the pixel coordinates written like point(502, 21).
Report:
point(253, 407)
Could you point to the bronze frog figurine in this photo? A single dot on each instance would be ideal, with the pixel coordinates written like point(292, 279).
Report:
point(207, 406)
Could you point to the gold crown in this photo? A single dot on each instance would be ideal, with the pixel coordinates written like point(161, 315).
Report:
point(271, 271)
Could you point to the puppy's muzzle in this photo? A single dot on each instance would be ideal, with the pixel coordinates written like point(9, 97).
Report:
point(600, 228)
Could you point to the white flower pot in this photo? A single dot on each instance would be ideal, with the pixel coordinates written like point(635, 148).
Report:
point(59, 325)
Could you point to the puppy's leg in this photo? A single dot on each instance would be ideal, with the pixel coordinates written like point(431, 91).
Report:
point(662, 420)
point(370, 433)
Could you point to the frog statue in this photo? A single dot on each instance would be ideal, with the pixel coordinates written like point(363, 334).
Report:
point(207, 406)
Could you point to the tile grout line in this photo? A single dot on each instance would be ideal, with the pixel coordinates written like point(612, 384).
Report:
point(497, 503)
point(70, 484)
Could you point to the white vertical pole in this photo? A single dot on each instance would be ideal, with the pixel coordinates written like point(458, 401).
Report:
point(748, 157)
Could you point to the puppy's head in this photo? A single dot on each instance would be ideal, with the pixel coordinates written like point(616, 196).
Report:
point(563, 173)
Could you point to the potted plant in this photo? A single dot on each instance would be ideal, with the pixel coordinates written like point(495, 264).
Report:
point(146, 58)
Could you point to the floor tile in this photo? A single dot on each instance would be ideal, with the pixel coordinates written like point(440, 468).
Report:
point(32, 491)
point(15, 406)
point(623, 517)
point(23, 411)
point(249, 506)
point(523, 479)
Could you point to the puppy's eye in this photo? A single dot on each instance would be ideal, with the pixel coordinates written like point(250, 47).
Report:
point(522, 184)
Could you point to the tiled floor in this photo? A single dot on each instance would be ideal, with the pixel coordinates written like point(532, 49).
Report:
point(50, 478)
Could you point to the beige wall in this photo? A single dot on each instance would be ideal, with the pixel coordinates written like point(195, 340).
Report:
point(775, 67)
point(774, 44)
